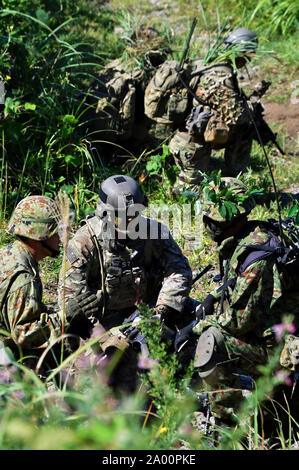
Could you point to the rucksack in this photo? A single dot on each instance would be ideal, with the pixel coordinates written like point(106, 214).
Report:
point(286, 252)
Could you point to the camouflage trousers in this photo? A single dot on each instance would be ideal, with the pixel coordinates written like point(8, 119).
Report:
point(192, 155)
point(226, 384)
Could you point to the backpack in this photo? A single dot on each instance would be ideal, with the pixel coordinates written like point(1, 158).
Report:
point(166, 100)
point(286, 253)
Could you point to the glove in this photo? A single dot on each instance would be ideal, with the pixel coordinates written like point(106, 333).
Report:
point(85, 304)
point(183, 335)
point(206, 307)
point(168, 315)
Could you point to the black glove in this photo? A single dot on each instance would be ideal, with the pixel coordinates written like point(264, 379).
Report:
point(168, 315)
point(183, 335)
point(206, 307)
point(85, 304)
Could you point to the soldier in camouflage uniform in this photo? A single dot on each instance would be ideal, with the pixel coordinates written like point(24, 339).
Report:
point(257, 292)
point(202, 103)
point(23, 316)
point(125, 266)
point(222, 121)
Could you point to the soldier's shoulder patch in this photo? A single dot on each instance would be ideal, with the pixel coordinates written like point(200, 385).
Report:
point(72, 253)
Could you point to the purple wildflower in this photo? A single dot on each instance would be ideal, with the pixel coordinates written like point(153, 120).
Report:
point(281, 328)
point(283, 376)
point(146, 362)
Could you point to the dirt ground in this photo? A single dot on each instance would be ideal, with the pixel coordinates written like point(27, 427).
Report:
point(288, 115)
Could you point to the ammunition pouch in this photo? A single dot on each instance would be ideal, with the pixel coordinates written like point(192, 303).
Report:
point(216, 131)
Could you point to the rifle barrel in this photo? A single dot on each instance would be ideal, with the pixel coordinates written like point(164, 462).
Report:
point(188, 43)
point(198, 276)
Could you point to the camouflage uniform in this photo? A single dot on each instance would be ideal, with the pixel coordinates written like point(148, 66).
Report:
point(259, 290)
point(253, 305)
point(223, 123)
point(151, 271)
point(21, 298)
point(22, 313)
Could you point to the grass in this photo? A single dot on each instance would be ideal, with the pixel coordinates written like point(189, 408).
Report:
point(43, 131)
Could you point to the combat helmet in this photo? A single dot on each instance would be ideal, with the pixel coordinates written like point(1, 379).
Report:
point(34, 217)
point(231, 200)
point(120, 196)
point(245, 39)
point(239, 195)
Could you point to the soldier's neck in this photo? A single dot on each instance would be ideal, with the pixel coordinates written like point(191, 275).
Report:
point(35, 247)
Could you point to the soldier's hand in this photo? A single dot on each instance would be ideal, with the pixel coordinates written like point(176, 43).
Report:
point(168, 315)
point(85, 304)
point(183, 335)
point(206, 307)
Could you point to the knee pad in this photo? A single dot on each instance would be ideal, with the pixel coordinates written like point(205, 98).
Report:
point(210, 351)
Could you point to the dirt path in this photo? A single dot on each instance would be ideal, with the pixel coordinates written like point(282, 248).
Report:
point(288, 115)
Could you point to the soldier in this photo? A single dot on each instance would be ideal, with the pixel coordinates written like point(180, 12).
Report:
point(125, 258)
point(259, 288)
point(116, 98)
point(217, 117)
point(23, 316)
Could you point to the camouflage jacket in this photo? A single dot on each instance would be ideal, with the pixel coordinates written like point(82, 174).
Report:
point(152, 270)
point(21, 299)
point(260, 296)
point(217, 85)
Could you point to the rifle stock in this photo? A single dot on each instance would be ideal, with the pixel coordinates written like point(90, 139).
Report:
point(266, 133)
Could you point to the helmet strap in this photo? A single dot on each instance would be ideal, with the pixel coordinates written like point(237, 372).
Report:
point(54, 253)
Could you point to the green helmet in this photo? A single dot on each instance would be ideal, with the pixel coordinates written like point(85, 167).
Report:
point(34, 217)
point(245, 39)
point(237, 195)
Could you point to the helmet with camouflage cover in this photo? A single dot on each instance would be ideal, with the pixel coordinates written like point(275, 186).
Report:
point(245, 39)
point(216, 217)
point(35, 217)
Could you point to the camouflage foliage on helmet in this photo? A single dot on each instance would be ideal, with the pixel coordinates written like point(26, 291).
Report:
point(226, 198)
point(34, 217)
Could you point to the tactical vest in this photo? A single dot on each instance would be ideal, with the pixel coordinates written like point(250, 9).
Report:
point(128, 273)
point(124, 275)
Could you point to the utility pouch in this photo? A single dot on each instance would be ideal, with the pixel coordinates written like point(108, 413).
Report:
point(216, 131)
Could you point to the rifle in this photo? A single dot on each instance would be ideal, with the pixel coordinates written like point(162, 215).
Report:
point(179, 68)
point(204, 271)
point(181, 64)
point(265, 132)
point(133, 334)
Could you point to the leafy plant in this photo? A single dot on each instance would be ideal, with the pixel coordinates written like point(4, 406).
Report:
point(223, 196)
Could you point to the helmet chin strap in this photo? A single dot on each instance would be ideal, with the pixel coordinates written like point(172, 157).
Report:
point(54, 253)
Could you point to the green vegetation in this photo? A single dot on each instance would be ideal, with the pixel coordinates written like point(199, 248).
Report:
point(50, 54)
